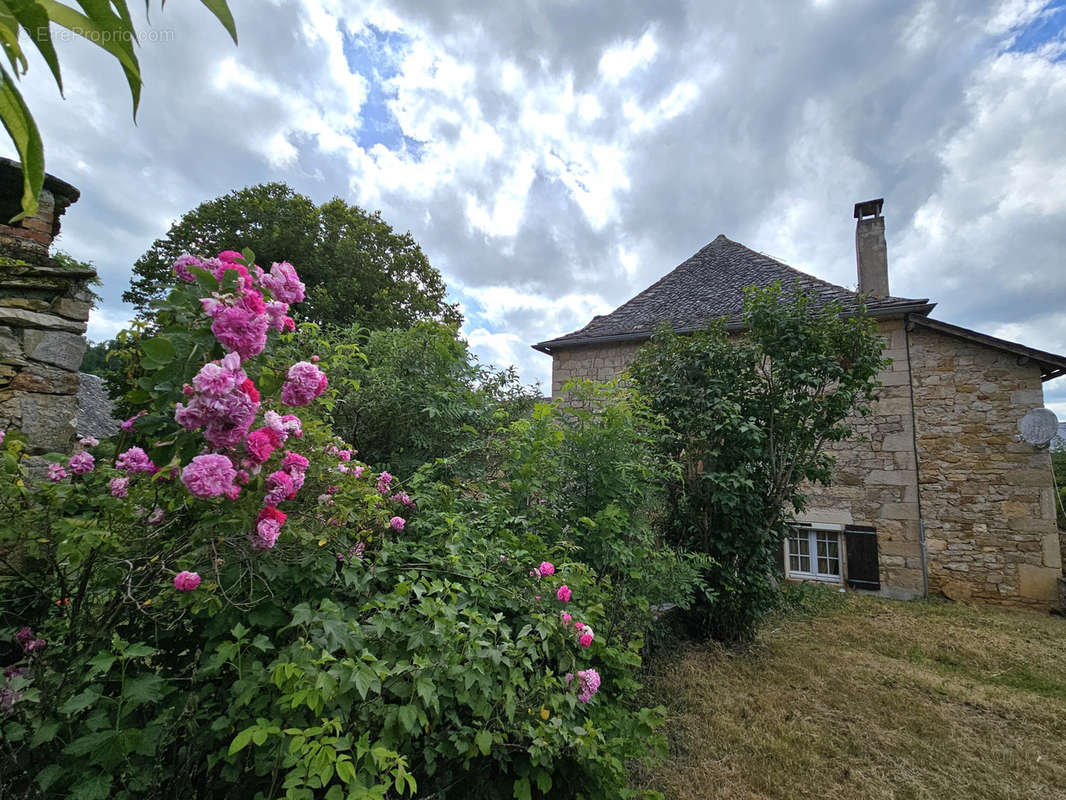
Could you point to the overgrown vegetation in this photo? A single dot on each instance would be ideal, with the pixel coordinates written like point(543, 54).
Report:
point(206, 608)
point(853, 696)
point(1058, 464)
point(749, 416)
point(227, 599)
point(410, 396)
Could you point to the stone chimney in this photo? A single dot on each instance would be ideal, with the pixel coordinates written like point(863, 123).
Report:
point(871, 254)
point(44, 309)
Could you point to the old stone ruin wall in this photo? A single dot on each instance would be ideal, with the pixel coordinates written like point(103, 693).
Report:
point(987, 499)
point(44, 309)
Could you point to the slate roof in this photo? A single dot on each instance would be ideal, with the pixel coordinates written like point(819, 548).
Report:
point(96, 411)
point(710, 285)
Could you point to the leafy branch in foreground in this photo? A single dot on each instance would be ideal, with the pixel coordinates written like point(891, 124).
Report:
point(108, 25)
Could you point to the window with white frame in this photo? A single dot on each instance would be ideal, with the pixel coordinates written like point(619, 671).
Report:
point(813, 551)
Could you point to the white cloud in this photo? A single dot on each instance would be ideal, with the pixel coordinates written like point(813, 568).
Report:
point(105, 324)
point(559, 159)
point(619, 61)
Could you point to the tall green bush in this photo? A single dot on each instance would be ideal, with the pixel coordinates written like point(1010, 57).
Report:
point(584, 475)
point(749, 415)
point(411, 396)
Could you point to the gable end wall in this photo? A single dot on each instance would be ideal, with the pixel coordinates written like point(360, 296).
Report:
point(987, 500)
point(597, 362)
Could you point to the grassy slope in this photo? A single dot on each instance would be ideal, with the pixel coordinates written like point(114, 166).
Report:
point(871, 699)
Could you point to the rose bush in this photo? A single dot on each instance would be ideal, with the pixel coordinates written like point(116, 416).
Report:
point(222, 601)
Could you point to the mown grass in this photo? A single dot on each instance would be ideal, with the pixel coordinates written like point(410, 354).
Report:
point(853, 696)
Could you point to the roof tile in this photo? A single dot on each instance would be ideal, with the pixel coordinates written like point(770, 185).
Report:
point(711, 285)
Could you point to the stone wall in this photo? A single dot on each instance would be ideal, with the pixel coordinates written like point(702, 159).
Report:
point(875, 482)
point(44, 308)
point(596, 362)
point(987, 499)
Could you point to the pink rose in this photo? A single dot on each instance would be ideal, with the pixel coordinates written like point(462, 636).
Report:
point(81, 463)
point(303, 383)
point(186, 581)
point(209, 475)
point(563, 594)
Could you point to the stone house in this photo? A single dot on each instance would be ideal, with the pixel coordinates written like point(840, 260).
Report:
point(935, 493)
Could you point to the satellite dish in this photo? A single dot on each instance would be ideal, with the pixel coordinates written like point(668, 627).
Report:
point(1039, 426)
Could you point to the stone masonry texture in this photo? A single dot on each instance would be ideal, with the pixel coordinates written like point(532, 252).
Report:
point(949, 462)
point(987, 499)
point(44, 309)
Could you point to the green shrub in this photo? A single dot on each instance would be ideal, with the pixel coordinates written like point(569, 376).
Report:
point(414, 395)
point(583, 475)
point(749, 417)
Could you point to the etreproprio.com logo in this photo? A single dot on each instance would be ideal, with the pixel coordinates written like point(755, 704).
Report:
point(98, 36)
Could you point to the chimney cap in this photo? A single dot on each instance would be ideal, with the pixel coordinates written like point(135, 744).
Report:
point(869, 208)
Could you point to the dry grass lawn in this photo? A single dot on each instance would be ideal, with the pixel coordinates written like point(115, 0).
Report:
point(858, 697)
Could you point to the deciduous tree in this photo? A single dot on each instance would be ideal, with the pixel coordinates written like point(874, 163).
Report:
point(356, 267)
point(750, 417)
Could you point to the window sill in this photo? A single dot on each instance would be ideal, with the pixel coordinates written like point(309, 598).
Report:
point(799, 577)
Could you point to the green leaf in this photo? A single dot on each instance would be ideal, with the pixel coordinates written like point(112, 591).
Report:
point(80, 701)
point(27, 140)
point(241, 740)
point(101, 663)
point(221, 10)
point(345, 770)
point(90, 743)
point(366, 680)
point(9, 40)
point(544, 780)
point(46, 733)
point(522, 789)
point(107, 30)
point(426, 690)
point(204, 279)
point(483, 740)
point(144, 689)
point(159, 349)
point(409, 718)
point(34, 20)
point(49, 775)
point(14, 732)
point(139, 650)
point(238, 631)
point(96, 786)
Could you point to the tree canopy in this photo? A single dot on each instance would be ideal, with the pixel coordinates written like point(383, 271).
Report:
point(357, 269)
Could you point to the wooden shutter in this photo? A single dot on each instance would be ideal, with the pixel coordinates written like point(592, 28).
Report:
point(860, 544)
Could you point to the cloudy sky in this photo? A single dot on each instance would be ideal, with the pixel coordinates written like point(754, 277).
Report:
point(554, 158)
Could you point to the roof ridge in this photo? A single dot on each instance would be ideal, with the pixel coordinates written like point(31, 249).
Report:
point(710, 284)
